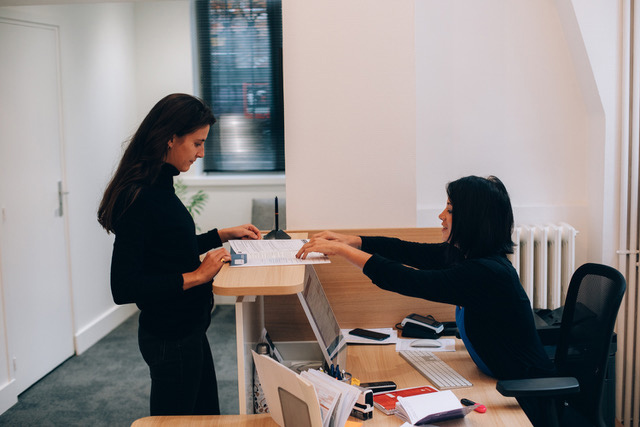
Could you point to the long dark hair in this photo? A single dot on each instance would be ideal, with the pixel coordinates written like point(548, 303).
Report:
point(482, 216)
point(177, 114)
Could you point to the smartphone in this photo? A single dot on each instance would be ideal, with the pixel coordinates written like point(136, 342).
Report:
point(365, 333)
point(424, 321)
point(379, 386)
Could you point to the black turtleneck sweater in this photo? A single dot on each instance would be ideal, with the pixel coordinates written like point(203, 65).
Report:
point(498, 319)
point(155, 244)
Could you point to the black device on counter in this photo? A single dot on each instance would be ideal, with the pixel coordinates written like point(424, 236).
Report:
point(423, 321)
point(417, 326)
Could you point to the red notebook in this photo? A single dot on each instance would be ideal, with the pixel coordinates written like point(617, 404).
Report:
point(386, 400)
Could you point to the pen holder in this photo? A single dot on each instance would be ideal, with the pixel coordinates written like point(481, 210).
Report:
point(276, 234)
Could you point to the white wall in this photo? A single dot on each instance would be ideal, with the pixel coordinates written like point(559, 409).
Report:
point(599, 26)
point(99, 108)
point(349, 96)
point(499, 96)
point(501, 87)
point(164, 60)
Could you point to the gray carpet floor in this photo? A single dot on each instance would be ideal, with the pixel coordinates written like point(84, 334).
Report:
point(108, 385)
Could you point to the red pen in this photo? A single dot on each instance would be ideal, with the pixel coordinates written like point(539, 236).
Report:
point(480, 408)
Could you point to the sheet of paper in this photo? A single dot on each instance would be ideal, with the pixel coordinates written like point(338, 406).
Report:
point(348, 393)
point(274, 252)
point(448, 344)
point(352, 339)
point(328, 397)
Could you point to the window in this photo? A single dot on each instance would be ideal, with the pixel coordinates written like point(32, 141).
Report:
point(240, 52)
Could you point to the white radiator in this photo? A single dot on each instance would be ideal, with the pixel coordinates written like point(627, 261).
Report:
point(544, 257)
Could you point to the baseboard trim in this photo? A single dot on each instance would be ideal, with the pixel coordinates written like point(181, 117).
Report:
point(8, 396)
point(100, 327)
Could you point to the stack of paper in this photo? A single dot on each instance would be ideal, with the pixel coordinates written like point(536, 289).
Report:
point(386, 400)
point(329, 402)
point(336, 398)
point(429, 408)
point(275, 377)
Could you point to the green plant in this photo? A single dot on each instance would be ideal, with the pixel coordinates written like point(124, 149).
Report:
point(194, 203)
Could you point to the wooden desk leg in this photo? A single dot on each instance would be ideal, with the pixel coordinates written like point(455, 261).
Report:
point(249, 326)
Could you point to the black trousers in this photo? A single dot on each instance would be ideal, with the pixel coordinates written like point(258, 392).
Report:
point(183, 379)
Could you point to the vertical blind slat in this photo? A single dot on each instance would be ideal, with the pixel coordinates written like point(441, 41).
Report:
point(240, 49)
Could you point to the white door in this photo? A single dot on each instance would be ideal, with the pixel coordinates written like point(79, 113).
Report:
point(34, 268)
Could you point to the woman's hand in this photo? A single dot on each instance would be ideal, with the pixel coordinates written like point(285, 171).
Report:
point(347, 239)
point(209, 267)
point(241, 232)
point(321, 245)
point(330, 243)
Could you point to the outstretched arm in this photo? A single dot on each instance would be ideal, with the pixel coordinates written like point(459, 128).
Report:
point(330, 243)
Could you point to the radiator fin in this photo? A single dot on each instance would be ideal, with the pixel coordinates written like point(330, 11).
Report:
point(544, 257)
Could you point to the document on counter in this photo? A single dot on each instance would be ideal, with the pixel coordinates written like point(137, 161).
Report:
point(252, 253)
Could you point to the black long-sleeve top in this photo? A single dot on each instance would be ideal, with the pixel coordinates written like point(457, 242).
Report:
point(498, 317)
point(155, 244)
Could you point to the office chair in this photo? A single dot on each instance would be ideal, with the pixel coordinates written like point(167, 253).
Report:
point(574, 397)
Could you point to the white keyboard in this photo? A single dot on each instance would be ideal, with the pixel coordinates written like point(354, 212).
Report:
point(441, 375)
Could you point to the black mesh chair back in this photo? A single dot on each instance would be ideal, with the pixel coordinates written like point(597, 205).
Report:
point(591, 307)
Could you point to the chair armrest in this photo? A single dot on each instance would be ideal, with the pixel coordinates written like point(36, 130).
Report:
point(538, 387)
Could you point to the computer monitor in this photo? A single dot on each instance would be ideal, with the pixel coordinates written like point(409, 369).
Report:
point(321, 318)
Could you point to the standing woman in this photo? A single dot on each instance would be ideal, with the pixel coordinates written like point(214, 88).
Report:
point(156, 255)
point(470, 269)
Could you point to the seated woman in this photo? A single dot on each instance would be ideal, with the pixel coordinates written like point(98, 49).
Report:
point(470, 269)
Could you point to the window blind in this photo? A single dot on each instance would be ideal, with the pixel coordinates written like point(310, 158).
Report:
point(240, 55)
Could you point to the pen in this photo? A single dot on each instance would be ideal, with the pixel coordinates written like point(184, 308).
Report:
point(276, 216)
point(480, 408)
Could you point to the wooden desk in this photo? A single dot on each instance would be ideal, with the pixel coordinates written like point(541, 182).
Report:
point(379, 363)
point(208, 421)
point(382, 363)
point(264, 280)
point(266, 298)
point(356, 302)
point(250, 285)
